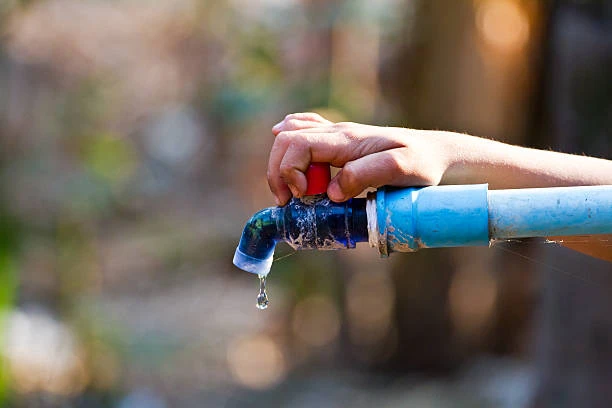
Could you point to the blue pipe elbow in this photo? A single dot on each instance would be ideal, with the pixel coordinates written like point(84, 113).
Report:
point(255, 251)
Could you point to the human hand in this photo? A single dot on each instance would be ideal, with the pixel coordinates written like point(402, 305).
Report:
point(368, 156)
point(371, 156)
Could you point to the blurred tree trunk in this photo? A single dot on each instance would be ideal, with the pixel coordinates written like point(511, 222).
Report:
point(452, 303)
point(419, 83)
point(574, 350)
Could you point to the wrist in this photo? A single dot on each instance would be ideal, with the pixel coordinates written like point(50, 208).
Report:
point(455, 157)
point(470, 159)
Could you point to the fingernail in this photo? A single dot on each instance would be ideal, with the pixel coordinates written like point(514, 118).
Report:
point(333, 191)
point(294, 190)
point(277, 200)
point(275, 127)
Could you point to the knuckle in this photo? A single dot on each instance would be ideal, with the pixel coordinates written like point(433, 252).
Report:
point(283, 137)
point(286, 170)
point(313, 116)
point(299, 141)
point(286, 167)
point(296, 116)
point(350, 176)
point(347, 131)
point(292, 123)
point(350, 135)
point(395, 163)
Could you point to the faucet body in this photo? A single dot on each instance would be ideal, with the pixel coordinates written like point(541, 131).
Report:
point(407, 219)
point(315, 223)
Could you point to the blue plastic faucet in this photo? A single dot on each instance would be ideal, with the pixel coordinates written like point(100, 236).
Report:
point(408, 219)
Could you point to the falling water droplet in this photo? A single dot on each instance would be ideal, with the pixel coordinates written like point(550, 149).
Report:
point(262, 297)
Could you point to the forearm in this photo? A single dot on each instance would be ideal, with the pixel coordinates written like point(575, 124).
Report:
point(477, 160)
point(502, 166)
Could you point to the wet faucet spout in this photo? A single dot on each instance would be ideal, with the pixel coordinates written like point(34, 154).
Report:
point(310, 224)
point(256, 248)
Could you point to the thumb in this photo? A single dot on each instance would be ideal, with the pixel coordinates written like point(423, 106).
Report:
point(392, 167)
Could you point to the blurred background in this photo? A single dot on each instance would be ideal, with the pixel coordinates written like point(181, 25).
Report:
point(133, 147)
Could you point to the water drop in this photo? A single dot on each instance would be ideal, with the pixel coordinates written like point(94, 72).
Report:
point(262, 297)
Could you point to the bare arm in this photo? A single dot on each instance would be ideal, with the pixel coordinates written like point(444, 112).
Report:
point(477, 160)
point(371, 156)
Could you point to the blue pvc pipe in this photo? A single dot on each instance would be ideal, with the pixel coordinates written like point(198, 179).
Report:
point(468, 215)
point(542, 212)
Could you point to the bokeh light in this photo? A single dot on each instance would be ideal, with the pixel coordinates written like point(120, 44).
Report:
point(43, 355)
point(316, 320)
point(256, 361)
point(502, 24)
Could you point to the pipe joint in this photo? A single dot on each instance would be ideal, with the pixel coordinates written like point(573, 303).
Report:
point(408, 219)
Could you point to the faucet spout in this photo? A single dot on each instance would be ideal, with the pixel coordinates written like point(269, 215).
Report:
point(256, 248)
point(311, 224)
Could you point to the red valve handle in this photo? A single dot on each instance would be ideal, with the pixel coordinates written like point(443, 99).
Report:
point(318, 176)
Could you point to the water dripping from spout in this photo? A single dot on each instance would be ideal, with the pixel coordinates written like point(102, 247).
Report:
point(262, 297)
